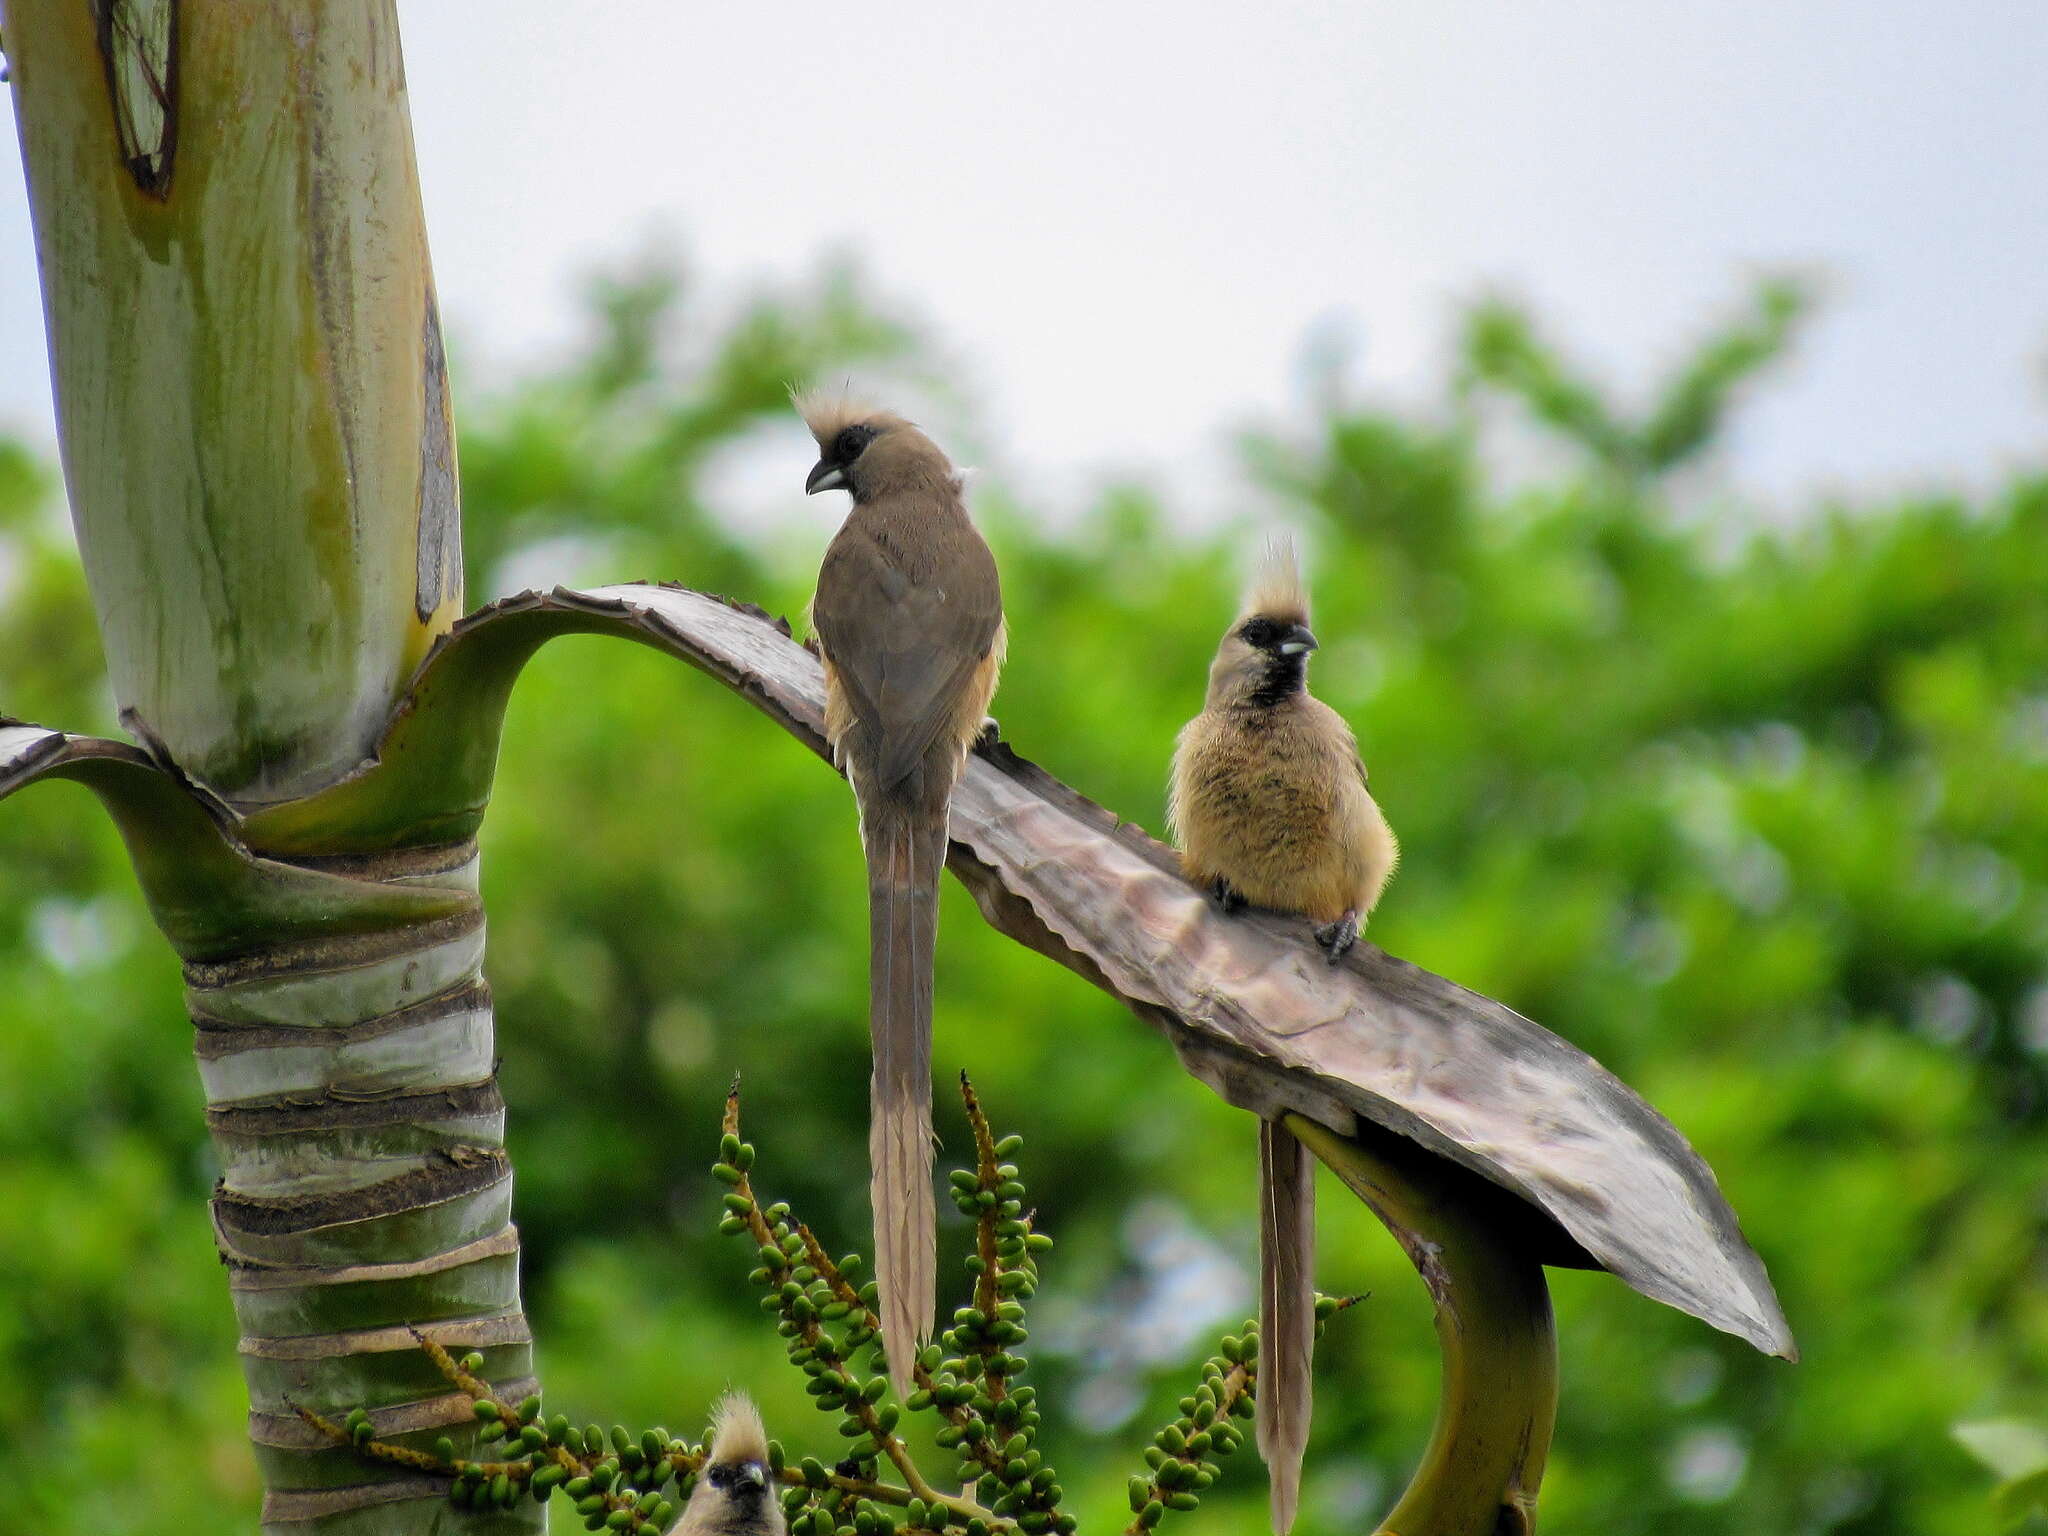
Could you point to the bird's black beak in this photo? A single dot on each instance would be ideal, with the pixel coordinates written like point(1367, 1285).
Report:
point(1297, 641)
point(825, 476)
point(753, 1475)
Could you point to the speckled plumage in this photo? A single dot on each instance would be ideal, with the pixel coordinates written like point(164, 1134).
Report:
point(1269, 793)
point(1269, 805)
point(1272, 799)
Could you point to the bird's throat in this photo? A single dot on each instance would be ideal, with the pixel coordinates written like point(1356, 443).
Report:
point(1285, 676)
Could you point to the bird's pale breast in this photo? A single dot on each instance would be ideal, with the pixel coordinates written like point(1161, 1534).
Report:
point(1261, 801)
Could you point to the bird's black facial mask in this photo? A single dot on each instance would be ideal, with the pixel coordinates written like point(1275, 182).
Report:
point(1286, 648)
point(746, 1480)
point(833, 471)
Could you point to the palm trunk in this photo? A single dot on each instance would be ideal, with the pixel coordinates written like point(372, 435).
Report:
point(365, 1192)
point(253, 412)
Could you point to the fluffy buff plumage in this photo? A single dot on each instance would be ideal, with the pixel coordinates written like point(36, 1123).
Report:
point(735, 1493)
point(828, 412)
point(1269, 806)
point(737, 1433)
point(1276, 588)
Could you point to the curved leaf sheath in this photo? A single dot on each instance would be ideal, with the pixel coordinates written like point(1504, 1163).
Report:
point(207, 892)
point(1251, 1007)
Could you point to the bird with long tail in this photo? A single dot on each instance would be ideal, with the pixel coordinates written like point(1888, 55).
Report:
point(1269, 807)
point(909, 623)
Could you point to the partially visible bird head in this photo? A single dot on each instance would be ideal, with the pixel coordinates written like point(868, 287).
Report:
point(868, 452)
point(1264, 655)
point(734, 1494)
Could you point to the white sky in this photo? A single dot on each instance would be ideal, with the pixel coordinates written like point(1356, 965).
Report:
point(1126, 221)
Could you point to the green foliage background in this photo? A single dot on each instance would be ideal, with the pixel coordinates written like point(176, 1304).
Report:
point(1756, 810)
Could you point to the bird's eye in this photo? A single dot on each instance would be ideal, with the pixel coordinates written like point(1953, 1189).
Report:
point(1259, 632)
point(848, 445)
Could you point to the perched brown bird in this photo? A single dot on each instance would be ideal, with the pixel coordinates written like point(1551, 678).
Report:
point(909, 621)
point(1269, 805)
point(734, 1495)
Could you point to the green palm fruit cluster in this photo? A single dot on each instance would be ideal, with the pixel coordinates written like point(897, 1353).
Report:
point(824, 1311)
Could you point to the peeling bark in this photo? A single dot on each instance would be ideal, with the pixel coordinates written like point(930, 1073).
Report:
point(349, 1215)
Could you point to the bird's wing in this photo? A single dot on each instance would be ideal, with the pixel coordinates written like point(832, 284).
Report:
point(1350, 740)
point(906, 649)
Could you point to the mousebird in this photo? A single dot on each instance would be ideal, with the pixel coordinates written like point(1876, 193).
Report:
point(1269, 803)
point(1269, 806)
point(909, 622)
point(735, 1494)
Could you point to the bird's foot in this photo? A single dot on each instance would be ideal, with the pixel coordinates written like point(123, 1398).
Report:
point(989, 736)
point(1226, 895)
point(1338, 937)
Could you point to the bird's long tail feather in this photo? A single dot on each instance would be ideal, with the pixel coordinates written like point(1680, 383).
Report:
point(1287, 1312)
point(905, 852)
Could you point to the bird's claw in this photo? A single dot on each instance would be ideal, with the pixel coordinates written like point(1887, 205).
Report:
point(1226, 896)
point(1338, 937)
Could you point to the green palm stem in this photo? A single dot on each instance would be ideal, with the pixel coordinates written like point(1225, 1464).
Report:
point(345, 1043)
point(253, 413)
point(1480, 1472)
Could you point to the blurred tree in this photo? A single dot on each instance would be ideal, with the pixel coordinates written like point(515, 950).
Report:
point(1503, 351)
point(1762, 821)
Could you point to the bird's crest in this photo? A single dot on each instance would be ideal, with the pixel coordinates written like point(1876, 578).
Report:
point(737, 1433)
point(828, 412)
point(1276, 590)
